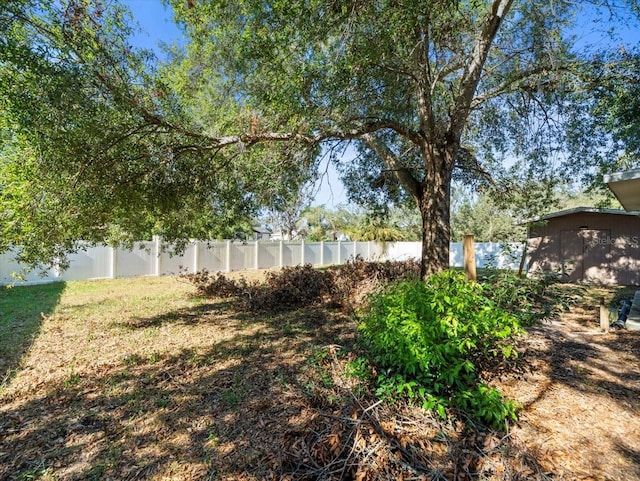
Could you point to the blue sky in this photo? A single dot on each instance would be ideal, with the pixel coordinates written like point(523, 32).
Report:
point(155, 20)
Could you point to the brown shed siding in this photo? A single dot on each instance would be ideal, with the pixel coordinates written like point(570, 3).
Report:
point(589, 247)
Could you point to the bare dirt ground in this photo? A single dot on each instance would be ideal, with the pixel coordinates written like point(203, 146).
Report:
point(112, 389)
point(581, 396)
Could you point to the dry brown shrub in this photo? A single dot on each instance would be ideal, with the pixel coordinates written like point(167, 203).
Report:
point(352, 282)
point(216, 285)
point(291, 288)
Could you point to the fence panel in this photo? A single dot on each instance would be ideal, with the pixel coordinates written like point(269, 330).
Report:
point(292, 254)
point(456, 256)
point(143, 260)
point(313, 253)
point(402, 251)
point(362, 249)
point(91, 263)
point(503, 255)
point(242, 256)
point(269, 255)
point(377, 250)
point(140, 261)
point(331, 253)
point(212, 256)
point(347, 252)
point(8, 266)
point(171, 263)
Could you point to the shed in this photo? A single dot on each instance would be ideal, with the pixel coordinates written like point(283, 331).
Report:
point(586, 245)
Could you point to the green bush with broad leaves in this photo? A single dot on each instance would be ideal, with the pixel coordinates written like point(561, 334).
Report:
point(528, 298)
point(427, 340)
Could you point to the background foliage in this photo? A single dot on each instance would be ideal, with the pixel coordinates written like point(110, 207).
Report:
point(101, 141)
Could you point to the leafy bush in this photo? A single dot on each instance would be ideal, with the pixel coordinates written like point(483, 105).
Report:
point(426, 339)
point(528, 298)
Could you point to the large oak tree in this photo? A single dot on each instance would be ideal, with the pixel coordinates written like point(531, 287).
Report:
point(426, 90)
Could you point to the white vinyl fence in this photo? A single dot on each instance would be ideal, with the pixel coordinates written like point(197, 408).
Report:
point(149, 258)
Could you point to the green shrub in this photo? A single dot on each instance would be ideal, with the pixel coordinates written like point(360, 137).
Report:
point(528, 298)
point(427, 340)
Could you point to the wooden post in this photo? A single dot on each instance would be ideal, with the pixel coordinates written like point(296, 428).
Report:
point(468, 252)
point(604, 316)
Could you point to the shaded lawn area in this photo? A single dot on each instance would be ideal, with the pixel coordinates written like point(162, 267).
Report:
point(138, 379)
point(22, 310)
point(135, 379)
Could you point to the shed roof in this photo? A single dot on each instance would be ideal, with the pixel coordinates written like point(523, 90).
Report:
point(626, 187)
point(577, 210)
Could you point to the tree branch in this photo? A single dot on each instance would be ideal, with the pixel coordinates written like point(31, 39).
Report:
point(473, 71)
point(403, 174)
point(509, 84)
point(374, 125)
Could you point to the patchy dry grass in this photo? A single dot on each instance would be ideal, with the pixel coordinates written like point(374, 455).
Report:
point(581, 418)
point(138, 379)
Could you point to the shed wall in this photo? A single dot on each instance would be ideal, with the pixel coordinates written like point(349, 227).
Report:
point(593, 248)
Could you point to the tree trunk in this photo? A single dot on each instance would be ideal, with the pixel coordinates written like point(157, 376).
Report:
point(434, 204)
point(432, 195)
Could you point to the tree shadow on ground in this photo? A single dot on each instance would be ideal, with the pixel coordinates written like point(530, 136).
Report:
point(601, 369)
point(201, 313)
point(261, 401)
point(579, 350)
point(194, 414)
point(21, 313)
point(591, 361)
point(632, 454)
point(579, 364)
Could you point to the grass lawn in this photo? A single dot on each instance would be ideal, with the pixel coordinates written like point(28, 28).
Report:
point(21, 313)
point(138, 379)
